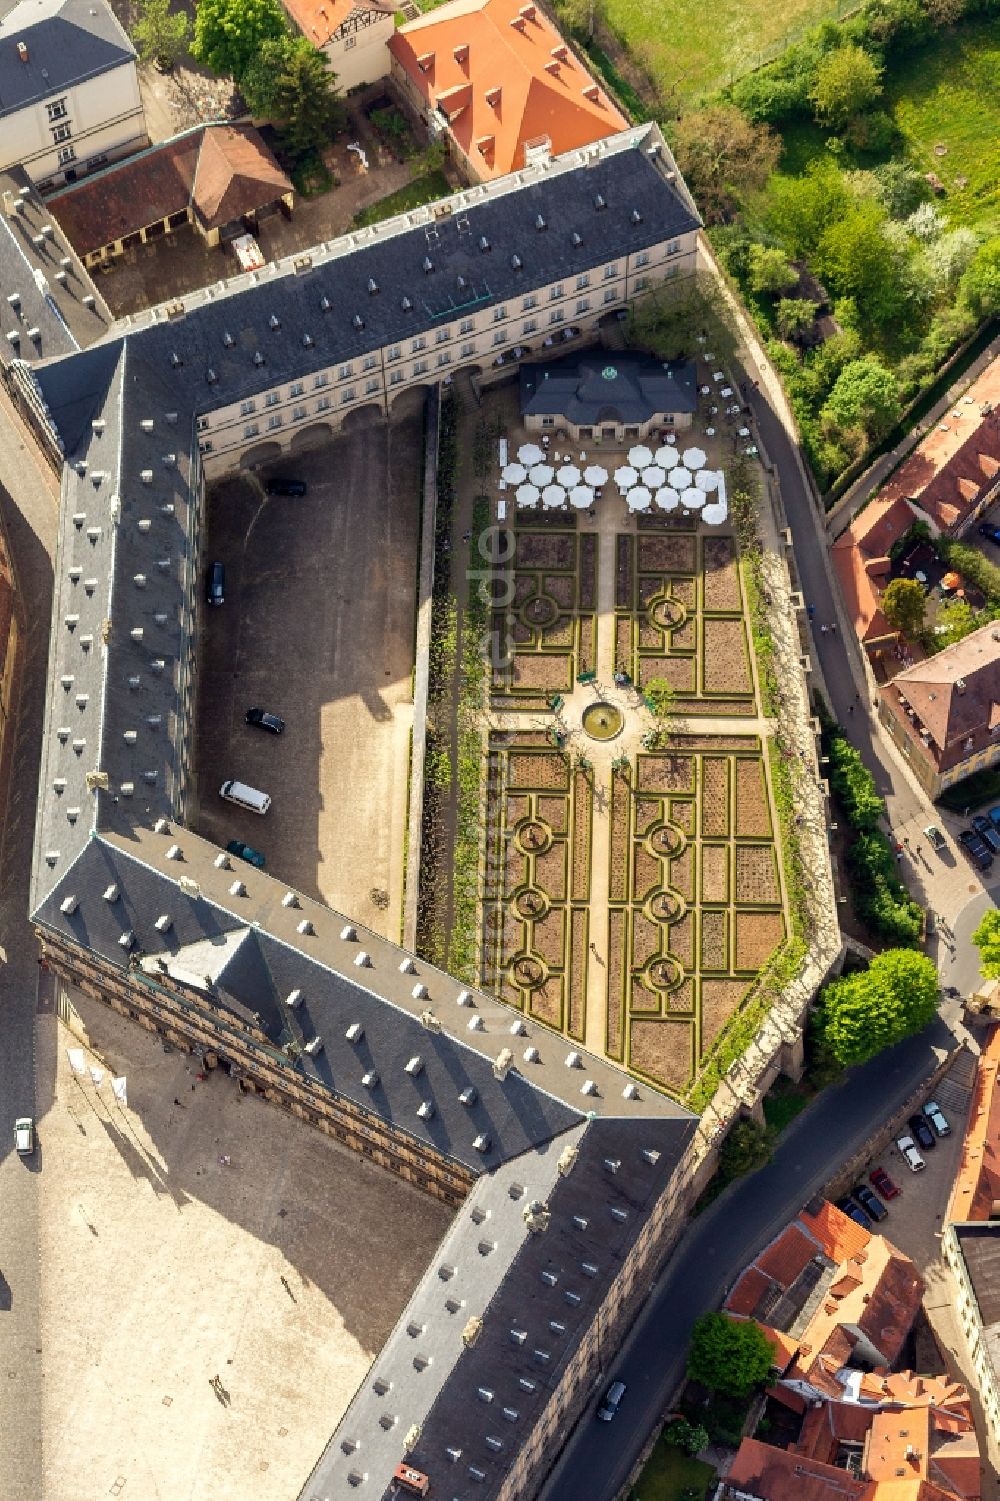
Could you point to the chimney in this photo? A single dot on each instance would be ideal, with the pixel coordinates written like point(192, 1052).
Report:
point(959, 685)
point(528, 12)
point(461, 53)
point(22, 51)
point(518, 23)
point(552, 66)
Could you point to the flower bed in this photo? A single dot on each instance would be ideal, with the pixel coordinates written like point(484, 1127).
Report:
point(758, 934)
point(715, 872)
point(537, 769)
point(714, 952)
point(753, 814)
point(714, 797)
point(756, 874)
point(668, 554)
point(721, 579)
point(725, 663)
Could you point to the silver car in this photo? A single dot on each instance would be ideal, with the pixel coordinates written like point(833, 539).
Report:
point(937, 1118)
point(24, 1136)
point(910, 1155)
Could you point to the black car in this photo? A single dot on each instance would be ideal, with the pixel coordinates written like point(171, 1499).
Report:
point(978, 852)
point(991, 533)
point(215, 584)
point(854, 1212)
point(246, 852)
point(265, 721)
point(987, 832)
point(282, 485)
point(921, 1128)
point(870, 1202)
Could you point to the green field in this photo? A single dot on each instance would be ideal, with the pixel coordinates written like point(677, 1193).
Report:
point(672, 1476)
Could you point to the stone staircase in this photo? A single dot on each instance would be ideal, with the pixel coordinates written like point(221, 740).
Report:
point(955, 1090)
point(466, 395)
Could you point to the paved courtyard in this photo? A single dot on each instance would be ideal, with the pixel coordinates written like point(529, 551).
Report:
point(318, 626)
point(281, 1274)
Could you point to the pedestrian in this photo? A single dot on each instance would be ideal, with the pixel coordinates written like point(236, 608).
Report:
point(823, 630)
point(466, 536)
point(850, 709)
point(918, 849)
point(833, 627)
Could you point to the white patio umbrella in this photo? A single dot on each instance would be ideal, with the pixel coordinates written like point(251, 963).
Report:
point(694, 458)
point(693, 498)
point(552, 496)
point(625, 477)
point(639, 499)
point(715, 514)
point(527, 495)
point(680, 477)
point(514, 474)
point(595, 475)
point(568, 475)
point(665, 456)
point(707, 479)
point(541, 474)
point(653, 475)
point(640, 456)
point(667, 498)
point(530, 453)
point(581, 496)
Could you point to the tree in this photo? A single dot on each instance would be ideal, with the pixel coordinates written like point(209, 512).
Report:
point(289, 81)
point(903, 605)
point(795, 316)
point(160, 35)
point(746, 1148)
point(863, 1013)
point(728, 1355)
point(980, 285)
point(953, 622)
point(691, 1437)
point(580, 17)
point(987, 941)
point(853, 784)
point(950, 256)
point(770, 269)
point(855, 257)
point(669, 322)
point(864, 395)
point(848, 80)
point(802, 208)
point(899, 188)
point(724, 156)
point(660, 696)
point(228, 34)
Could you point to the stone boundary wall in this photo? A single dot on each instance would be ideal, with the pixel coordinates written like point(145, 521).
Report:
point(425, 592)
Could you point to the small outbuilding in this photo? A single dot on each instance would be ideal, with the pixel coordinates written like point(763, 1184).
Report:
point(608, 395)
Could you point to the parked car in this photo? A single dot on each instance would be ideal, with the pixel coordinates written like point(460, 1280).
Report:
point(934, 836)
point(932, 1111)
point(246, 852)
point(870, 1203)
point(920, 1128)
point(265, 721)
point(215, 584)
point(854, 1212)
point(980, 855)
point(282, 485)
point(24, 1136)
point(611, 1401)
point(911, 1156)
point(987, 832)
point(991, 533)
point(995, 817)
point(881, 1180)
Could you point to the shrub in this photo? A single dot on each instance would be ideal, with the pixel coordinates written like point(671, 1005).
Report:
point(853, 785)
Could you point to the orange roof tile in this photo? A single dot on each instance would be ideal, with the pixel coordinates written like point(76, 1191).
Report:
point(859, 558)
point(899, 1442)
point(235, 171)
point(785, 1346)
point(841, 1238)
point(779, 1475)
point(524, 83)
point(747, 1291)
point(977, 1182)
point(788, 1256)
point(320, 19)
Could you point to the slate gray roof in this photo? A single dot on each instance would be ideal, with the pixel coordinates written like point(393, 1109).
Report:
point(42, 282)
point(535, 1293)
point(68, 41)
point(604, 387)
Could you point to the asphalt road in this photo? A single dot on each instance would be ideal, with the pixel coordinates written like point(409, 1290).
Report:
point(29, 516)
point(719, 1243)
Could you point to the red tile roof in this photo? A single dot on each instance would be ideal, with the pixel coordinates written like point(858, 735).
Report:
point(779, 1475)
point(787, 1257)
point(320, 19)
point(977, 1182)
point(505, 78)
point(747, 1291)
point(861, 562)
point(841, 1237)
point(955, 698)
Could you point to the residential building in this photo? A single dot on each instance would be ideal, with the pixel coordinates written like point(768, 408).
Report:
point(944, 713)
point(953, 475)
point(497, 79)
point(861, 561)
point(971, 1239)
point(354, 35)
point(570, 1172)
point(221, 179)
point(607, 398)
point(69, 89)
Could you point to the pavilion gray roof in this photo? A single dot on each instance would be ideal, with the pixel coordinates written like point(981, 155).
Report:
point(601, 386)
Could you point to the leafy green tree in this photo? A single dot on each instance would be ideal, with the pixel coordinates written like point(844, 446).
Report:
point(795, 316)
point(728, 1355)
point(863, 1013)
point(160, 35)
point(903, 605)
point(228, 34)
point(800, 209)
point(853, 784)
point(580, 17)
point(289, 82)
point(670, 321)
point(691, 1437)
point(953, 622)
point(848, 80)
point(724, 156)
point(899, 188)
point(770, 269)
point(746, 1148)
point(855, 257)
point(950, 256)
point(864, 395)
point(987, 941)
point(979, 288)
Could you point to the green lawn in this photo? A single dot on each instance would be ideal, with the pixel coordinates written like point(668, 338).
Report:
point(672, 1476)
point(948, 94)
point(421, 190)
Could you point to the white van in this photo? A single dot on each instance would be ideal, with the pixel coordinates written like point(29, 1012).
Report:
point(246, 797)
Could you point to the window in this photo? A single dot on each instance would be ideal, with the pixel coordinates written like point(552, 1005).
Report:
point(369, 362)
point(56, 109)
point(555, 292)
point(609, 272)
point(205, 445)
point(499, 337)
point(548, 422)
point(349, 42)
point(347, 395)
point(420, 368)
point(394, 352)
point(529, 325)
point(610, 295)
point(296, 388)
point(586, 432)
point(442, 336)
point(370, 386)
point(468, 350)
point(557, 315)
point(499, 314)
point(272, 398)
point(274, 420)
point(251, 430)
point(466, 326)
point(642, 259)
point(298, 413)
point(395, 376)
point(320, 380)
point(202, 424)
point(529, 302)
point(673, 246)
point(583, 281)
point(444, 358)
point(66, 154)
point(345, 371)
point(323, 404)
point(419, 343)
point(61, 133)
point(246, 407)
point(642, 284)
point(583, 304)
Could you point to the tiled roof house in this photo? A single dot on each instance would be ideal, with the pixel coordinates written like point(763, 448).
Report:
point(860, 559)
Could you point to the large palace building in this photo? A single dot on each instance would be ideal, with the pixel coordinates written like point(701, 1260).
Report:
point(565, 1173)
